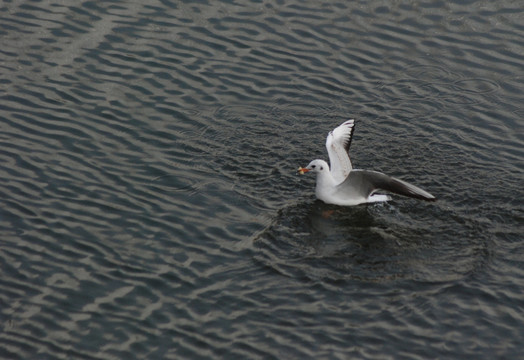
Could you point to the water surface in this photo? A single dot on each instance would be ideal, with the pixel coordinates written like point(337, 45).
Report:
point(151, 207)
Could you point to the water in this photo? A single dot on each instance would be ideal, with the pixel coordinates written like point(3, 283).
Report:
point(151, 207)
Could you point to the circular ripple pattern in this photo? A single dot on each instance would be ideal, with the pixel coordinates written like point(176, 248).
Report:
point(151, 207)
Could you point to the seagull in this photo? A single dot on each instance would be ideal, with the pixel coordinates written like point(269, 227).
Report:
point(343, 185)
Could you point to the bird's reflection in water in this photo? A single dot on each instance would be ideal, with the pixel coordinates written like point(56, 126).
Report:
point(323, 241)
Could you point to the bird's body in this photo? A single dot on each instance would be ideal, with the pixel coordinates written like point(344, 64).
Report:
point(343, 185)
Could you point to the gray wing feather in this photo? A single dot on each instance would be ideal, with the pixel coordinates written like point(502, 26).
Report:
point(366, 182)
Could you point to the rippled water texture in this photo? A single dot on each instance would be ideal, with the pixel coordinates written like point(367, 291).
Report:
point(150, 206)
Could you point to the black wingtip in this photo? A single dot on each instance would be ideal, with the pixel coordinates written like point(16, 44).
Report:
point(347, 145)
point(421, 197)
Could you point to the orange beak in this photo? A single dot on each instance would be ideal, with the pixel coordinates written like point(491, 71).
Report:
point(302, 170)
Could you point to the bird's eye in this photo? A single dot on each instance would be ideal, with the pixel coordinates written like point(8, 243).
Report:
point(313, 166)
point(321, 168)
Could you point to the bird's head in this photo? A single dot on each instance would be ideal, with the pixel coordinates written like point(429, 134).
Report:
point(316, 166)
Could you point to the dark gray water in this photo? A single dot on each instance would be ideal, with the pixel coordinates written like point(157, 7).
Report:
point(150, 207)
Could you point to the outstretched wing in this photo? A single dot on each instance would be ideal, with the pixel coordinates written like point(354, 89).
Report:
point(364, 183)
point(337, 144)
